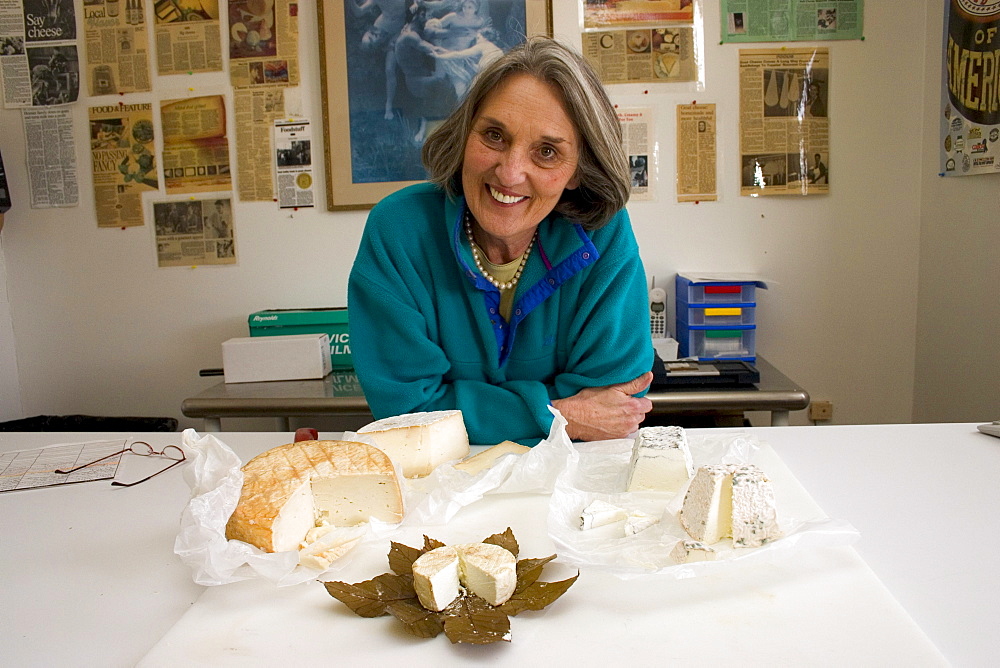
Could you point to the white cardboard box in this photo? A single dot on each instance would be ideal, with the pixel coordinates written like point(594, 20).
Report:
point(290, 357)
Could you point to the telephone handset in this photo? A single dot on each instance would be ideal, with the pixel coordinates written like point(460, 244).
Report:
point(658, 313)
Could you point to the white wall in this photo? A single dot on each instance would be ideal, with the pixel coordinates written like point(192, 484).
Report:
point(100, 329)
point(10, 386)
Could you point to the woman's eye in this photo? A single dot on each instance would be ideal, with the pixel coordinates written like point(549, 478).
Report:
point(493, 136)
point(547, 153)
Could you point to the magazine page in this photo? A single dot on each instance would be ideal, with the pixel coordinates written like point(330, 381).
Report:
point(195, 144)
point(188, 37)
point(123, 156)
point(39, 63)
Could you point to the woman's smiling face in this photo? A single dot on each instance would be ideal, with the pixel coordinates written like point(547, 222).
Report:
point(521, 155)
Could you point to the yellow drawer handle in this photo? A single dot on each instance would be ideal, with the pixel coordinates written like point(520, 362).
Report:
point(723, 311)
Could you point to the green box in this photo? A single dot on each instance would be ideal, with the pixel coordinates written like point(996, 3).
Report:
point(332, 321)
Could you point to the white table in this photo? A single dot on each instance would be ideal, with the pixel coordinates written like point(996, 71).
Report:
point(89, 577)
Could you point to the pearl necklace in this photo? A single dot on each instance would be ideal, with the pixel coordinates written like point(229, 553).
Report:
point(479, 261)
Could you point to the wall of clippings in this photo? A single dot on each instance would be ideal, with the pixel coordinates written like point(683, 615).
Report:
point(90, 322)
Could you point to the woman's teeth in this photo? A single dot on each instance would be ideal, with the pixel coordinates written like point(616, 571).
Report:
point(505, 199)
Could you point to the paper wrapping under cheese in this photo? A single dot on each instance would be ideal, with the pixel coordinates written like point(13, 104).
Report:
point(420, 442)
point(287, 489)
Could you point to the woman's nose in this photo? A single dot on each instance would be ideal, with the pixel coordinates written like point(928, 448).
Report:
point(512, 167)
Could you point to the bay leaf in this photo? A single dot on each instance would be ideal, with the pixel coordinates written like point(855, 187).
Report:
point(536, 596)
point(505, 540)
point(472, 620)
point(417, 620)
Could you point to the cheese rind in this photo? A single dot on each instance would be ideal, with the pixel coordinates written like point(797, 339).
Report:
point(661, 460)
point(290, 489)
point(420, 442)
point(488, 571)
point(488, 457)
point(600, 513)
point(730, 500)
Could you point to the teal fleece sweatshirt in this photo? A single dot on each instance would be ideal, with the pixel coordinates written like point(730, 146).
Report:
point(426, 332)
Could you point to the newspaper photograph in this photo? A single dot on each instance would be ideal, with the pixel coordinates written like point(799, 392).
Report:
point(195, 144)
point(39, 63)
point(194, 232)
point(117, 57)
point(51, 157)
point(255, 112)
point(784, 124)
point(653, 55)
point(608, 13)
point(696, 153)
point(970, 91)
point(123, 156)
point(263, 43)
point(640, 147)
point(187, 36)
point(792, 20)
point(293, 160)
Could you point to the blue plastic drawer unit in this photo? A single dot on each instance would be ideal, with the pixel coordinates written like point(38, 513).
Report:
point(714, 292)
point(719, 315)
point(717, 343)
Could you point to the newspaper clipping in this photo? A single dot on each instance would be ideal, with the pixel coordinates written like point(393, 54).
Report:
point(293, 157)
point(263, 43)
point(51, 157)
point(637, 138)
point(696, 153)
point(791, 20)
point(194, 232)
point(970, 93)
point(603, 14)
point(654, 55)
point(39, 64)
point(195, 145)
point(124, 162)
point(256, 111)
point(784, 127)
point(117, 47)
point(188, 37)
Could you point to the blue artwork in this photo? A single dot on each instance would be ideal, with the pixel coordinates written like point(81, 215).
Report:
point(408, 64)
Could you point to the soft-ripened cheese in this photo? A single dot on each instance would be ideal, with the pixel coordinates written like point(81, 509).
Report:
point(600, 513)
point(688, 551)
point(488, 571)
point(325, 544)
point(639, 521)
point(290, 490)
point(420, 442)
point(485, 459)
point(661, 460)
point(730, 500)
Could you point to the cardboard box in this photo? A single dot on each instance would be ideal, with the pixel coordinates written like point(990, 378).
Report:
point(331, 321)
point(294, 357)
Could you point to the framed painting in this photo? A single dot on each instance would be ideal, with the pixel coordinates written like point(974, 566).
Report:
point(393, 69)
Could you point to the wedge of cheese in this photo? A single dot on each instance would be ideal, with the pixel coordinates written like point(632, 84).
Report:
point(689, 551)
point(292, 489)
point(420, 442)
point(730, 500)
point(488, 571)
point(661, 460)
point(601, 513)
point(488, 457)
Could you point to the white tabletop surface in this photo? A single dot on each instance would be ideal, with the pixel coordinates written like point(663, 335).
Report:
point(90, 578)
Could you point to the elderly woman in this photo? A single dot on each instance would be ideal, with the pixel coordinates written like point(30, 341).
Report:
point(512, 280)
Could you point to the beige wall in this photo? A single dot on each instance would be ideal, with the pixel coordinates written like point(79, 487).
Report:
point(99, 329)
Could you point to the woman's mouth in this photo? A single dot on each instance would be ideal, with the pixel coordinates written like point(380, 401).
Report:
point(505, 199)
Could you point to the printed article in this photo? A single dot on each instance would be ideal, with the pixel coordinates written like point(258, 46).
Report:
point(123, 156)
point(51, 157)
point(255, 112)
point(696, 153)
point(604, 14)
point(194, 232)
point(39, 63)
point(970, 92)
point(293, 160)
point(188, 37)
point(117, 47)
point(195, 145)
point(784, 125)
point(791, 20)
point(655, 55)
point(637, 138)
point(263, 43)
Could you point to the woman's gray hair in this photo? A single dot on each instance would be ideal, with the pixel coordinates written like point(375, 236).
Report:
point(603, 172)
